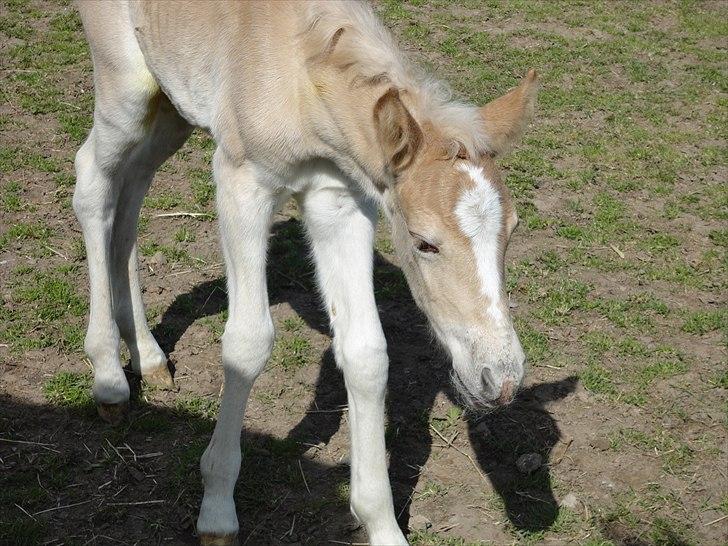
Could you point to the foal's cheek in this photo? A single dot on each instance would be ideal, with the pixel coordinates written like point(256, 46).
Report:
point(453, 296)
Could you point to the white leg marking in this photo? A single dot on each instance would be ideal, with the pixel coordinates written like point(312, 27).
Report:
point(245, 208)
point(341, 228)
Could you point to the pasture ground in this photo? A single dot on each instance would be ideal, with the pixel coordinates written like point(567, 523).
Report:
point(617, 274)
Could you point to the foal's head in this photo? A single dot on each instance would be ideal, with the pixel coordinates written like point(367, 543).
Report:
point(452, 219)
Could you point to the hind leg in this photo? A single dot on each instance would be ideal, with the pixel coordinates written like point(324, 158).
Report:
point(168, 132)
point(94, 202)
point(134, 131)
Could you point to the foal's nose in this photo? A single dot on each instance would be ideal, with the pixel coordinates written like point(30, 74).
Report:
point(499, 396)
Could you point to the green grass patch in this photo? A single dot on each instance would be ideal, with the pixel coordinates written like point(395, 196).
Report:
point(675, 454)
point(451, 419)
point(720, 380)
point(71, 390)
point(293, 324)
point(598, 380)
point(164, 201)
point(719, 237)
point(200, 407)
point(535, 343)
point(390, 283)
point(10, 199)
point(25, 232)
point(430, 538)
point(172, 253)
point(702, 322)
point(184, 235)
point(151, 423)
point(286, 448)
point(44, 310)
point(203, 189)
point(21, 531)
point(186, 466)
point(292, 351)
point(555, 303)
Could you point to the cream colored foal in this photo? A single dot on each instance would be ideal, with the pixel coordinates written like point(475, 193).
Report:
point(316, 101)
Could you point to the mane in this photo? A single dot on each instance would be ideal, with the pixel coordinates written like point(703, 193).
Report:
point(350, 36)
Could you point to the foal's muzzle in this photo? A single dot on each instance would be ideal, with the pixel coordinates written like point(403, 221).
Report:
point(498, 395)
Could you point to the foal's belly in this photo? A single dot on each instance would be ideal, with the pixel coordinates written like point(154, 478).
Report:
point(178, 42)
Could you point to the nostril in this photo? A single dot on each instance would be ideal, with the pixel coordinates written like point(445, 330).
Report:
point(506, 393)
point(488, 381)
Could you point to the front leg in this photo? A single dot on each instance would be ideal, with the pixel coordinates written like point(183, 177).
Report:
point(245, 209)
point(341, 228)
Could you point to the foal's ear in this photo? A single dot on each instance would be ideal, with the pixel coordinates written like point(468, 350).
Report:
point(506, 117)
point(399, 134)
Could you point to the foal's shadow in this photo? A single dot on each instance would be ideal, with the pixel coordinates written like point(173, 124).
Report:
point(417, 374)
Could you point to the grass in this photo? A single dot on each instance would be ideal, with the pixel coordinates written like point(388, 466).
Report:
point(21, 232)
point(675, 454)
point(428, 538)
point(292, 352)
point(43, 310)
point(431, 490)
point(535, 343)
point(448, 421)
point(598, 379)
point(72, 390)
point(203, 189)
point(184, 235)
point(643, 513)
point(173, 253)
point(197, 406)
point(186, 467)
point(200, 411)
point(11, 200)
point(630, 383)
point(702, 322)
point(164, 201)
point(22, 532)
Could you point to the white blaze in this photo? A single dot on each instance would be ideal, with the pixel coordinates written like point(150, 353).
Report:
point(480, 216)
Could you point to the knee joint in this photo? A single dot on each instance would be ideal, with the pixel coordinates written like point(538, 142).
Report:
point(83, 164)
point(366, 504)
point(365, 365)
point(246, 350)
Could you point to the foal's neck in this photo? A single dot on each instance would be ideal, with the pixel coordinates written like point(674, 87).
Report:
point(343, 120)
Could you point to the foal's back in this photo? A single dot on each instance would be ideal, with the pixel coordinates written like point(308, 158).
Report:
point(210, 58)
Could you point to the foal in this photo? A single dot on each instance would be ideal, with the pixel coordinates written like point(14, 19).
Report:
point(312, 100)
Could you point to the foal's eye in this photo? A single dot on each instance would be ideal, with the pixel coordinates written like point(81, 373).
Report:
point(424, 246)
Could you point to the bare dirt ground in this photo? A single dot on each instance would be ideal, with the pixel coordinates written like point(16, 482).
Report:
point(617, 274)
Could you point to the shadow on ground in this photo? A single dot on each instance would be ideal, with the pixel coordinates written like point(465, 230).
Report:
point(139, 482)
